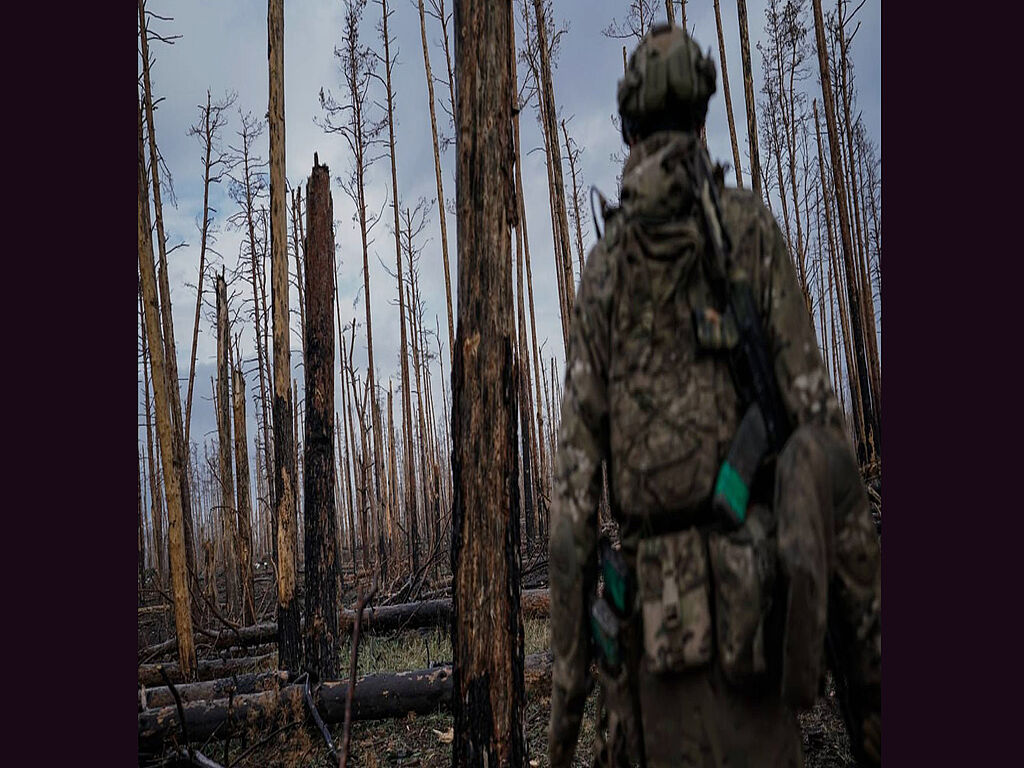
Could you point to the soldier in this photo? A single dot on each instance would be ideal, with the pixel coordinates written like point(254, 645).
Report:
point(710, 632)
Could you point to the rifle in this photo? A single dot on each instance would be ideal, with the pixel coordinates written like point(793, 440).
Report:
point(765, 425)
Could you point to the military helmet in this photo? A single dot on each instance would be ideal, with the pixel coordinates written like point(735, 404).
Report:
point(667, 84)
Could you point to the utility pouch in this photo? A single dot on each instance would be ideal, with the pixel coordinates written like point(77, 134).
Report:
point(743, 568)
point(605, 626)
point(672, 578)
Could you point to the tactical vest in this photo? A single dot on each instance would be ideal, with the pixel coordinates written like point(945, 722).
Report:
point(703, 594)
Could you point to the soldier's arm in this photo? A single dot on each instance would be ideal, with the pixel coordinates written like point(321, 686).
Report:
point(855, 587)
point(583, 443)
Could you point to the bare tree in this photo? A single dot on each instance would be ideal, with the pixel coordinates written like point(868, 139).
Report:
point(167, 323)
point(488, 698)
point(155, 504)
point(224, 443)
point(872, 427)
point(164, 427)
point(748, 95)
point(437, 175)
point(289, 640)
point(728, 97)
point(552, 144)
point(248, 189)
point(638, 22)
point(215, 159)
point(323, 639)
point(245, 538)
point(364, 136)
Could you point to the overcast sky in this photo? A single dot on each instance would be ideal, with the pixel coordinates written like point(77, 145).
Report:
point(223, 47)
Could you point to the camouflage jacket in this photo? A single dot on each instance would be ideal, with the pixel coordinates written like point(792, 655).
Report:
point(638, 395)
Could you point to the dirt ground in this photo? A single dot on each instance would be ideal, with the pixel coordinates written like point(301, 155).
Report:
point(425, 740)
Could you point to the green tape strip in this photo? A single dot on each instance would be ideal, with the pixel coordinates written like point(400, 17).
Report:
point(730, 485)
point(616, 588)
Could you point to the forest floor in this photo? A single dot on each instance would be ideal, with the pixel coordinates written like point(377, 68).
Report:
point(425, 740)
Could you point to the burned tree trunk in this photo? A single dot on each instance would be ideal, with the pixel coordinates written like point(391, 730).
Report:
point(437, 173)
point(227, 480)
point(387, 695)
point(245, 542)
point(289, 639)
point(728, 97)
point(871, 425)
point(559, 214)
point(488, 698)
point(323, 646)
point(155, 505)
point(167, 324)
point(748, 94)
point(164, 427)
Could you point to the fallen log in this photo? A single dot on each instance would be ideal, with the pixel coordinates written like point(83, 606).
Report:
point(535, 604)
point(375, 697)
point(221, 688)
point(210, 669)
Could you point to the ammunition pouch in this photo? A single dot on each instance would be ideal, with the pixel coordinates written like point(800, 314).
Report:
point(673, 591)
point(743, 565)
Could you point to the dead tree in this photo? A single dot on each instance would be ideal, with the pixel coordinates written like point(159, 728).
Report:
point(748, 95)
point(245, 538)
point(211, 120)
point(556, 184)
point(141, 532)
point(410, 490)
point(226, 476)
point(572, 152)
point(165, 428)
point(437, 174)
point(528, 437)
point(872, 427)
point(155, 498)
point(438, 11)
point(289, 640)
point(538, 431)
point(412, 226)
point(845, 84)
point(363, 135)
point(637, 23)
point(728, 97)
point(167, 324)
point(323, 642)
point(248, 189)
point(488, 697)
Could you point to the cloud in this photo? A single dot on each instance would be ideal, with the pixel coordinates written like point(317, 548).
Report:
point(224, 48)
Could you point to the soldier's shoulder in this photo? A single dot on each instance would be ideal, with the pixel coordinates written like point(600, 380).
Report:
point(599, 267)
point(743, 206)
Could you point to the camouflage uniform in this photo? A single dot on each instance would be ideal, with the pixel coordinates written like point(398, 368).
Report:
point(640, 395)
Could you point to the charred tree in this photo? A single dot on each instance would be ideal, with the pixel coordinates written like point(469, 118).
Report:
point(488, 697)
point(155, 504)
point(210, 122)
point(437, 174)
point(871, 425)
point(167, 324)
point(748, 95)
point(247, 190)
point(289, 640)
point(245, 538)
point(559, 214)
point(728, 97)
point(226, 477)
point(165, 428)
point(323, 642)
